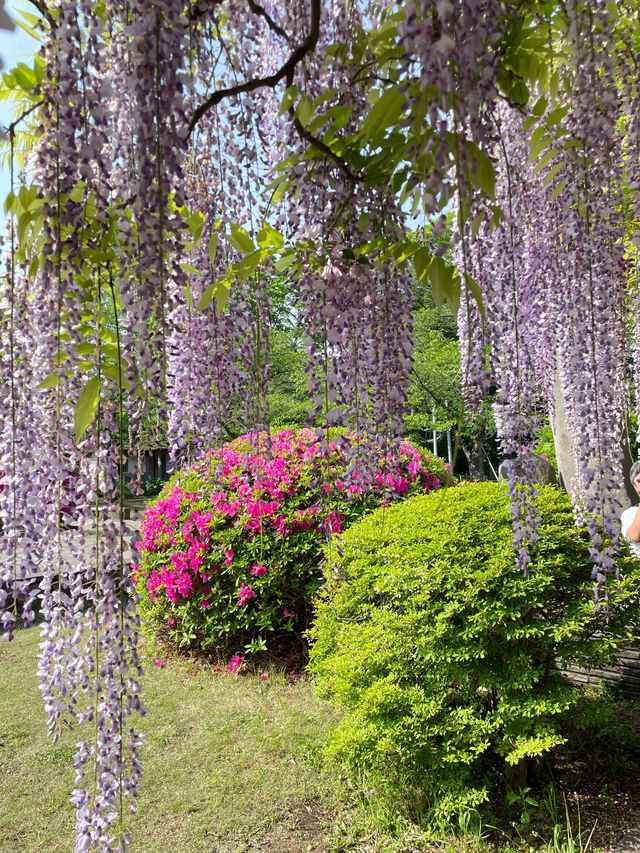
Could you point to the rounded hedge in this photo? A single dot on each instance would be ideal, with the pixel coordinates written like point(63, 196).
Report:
point(444, 654)
point(231, 550)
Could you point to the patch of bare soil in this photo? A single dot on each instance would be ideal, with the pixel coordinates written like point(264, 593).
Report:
point(299, 830)
point(600, 781)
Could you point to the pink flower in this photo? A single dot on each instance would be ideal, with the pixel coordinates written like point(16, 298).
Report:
point(258, 509)
point(413, 468)
point(204, 603)
point(158, 662)
point(258, 571)
point(402, 485)
point(171, 622)
point(264, 676)
point(234, 664)
point(286, 613)
point(245, 593)
point(280, 524)
point(228, 557)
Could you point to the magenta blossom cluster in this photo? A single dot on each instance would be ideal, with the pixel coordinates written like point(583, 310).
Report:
point(230, 551)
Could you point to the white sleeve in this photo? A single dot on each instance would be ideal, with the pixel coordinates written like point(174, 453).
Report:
point(627, 518)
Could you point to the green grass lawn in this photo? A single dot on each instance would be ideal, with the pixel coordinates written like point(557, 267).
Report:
point(234, 765)
point(230, 764)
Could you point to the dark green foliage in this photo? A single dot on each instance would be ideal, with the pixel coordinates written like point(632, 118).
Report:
point(153, 485)
point(545, 445)
point(442, 652)
point(288, 393)
point(435, 394)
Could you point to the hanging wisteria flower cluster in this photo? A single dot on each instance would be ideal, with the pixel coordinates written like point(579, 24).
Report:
point(553, 279)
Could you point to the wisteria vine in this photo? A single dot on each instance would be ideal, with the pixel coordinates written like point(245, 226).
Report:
point(187, 154)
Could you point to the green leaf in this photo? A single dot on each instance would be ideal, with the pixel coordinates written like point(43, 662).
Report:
point(422, 260)
point(27, 196)
point(112, 372)
point(474, 287)
point(556, 115)
point(280, 188)
point(552, 173)
point(339, 116)
point(9, 202)
point(558, 189)
point(220, 289)
point(24, 76)
point(290, 94)
point(539, 107)
point(213, 245)
point(477, 221)
point(111, 351)
point(438, 273)
point(187, 295)
point(248, 265)
point(539, 140)
point(240, 240)
point(50, 382)
point(85, 409)
point(222, 294)
point(304, 110)
point(284, 262)
point(485, 176)
point(268, 236)
point(402, 251)
point(383, 113)
point(544, 161)
point(30, 24)
point(24, 220)
point(190, 269)
point(196, 224)
point(77, 193)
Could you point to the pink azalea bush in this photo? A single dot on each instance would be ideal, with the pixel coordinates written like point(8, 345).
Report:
point(230, 554)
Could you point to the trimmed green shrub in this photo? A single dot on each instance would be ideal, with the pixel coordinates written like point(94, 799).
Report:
point(443, 653)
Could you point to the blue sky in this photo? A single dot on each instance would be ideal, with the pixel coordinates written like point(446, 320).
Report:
point(15, 47)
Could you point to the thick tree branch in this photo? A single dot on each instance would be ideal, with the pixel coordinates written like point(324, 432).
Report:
point(257, 9)
point(304, 134)
point(40, 5)
point(202, 8)
point(285, 72)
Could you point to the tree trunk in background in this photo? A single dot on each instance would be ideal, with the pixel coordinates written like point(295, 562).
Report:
point(564, 456)
point(479, 468)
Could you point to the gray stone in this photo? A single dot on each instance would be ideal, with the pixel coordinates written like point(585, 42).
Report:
point(544, 473)
point(629, 843)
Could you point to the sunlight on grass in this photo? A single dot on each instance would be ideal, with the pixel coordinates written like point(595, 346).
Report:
point(225, 760)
